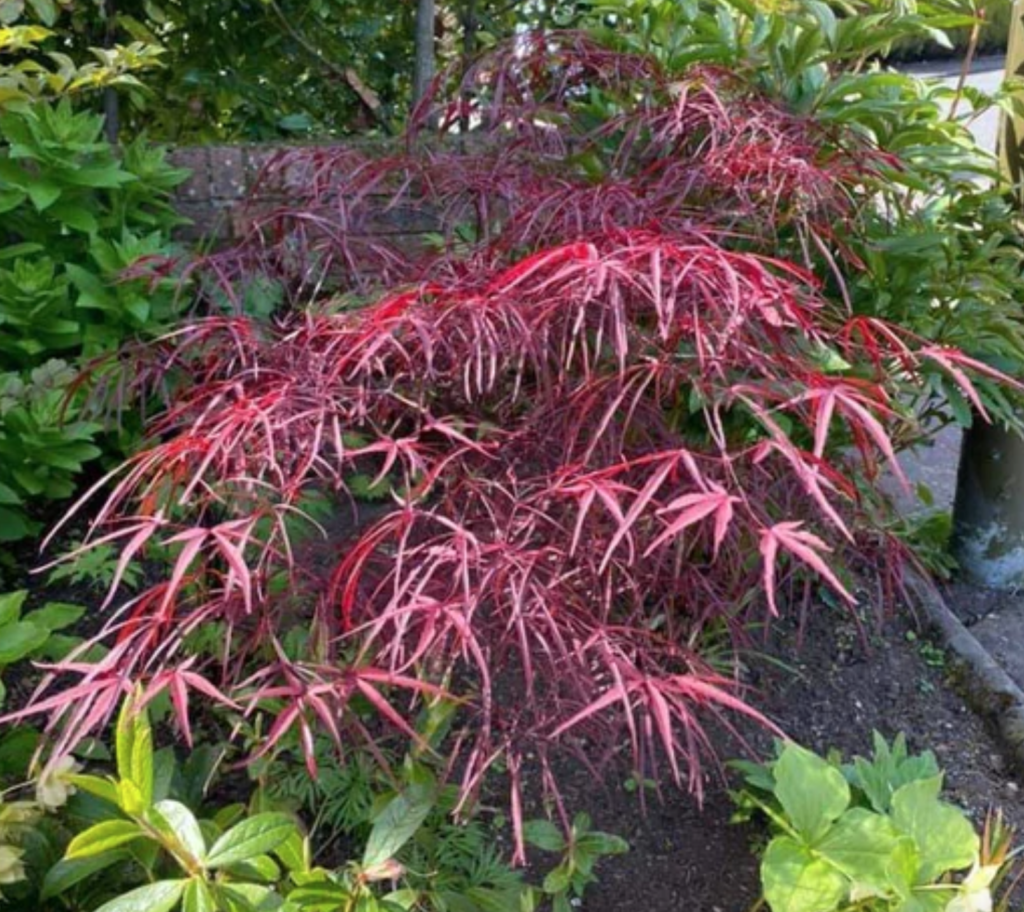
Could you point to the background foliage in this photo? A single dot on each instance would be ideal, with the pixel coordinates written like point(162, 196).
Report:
point(75, 216)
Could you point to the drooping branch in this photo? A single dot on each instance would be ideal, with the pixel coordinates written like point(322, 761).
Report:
point(366, 95)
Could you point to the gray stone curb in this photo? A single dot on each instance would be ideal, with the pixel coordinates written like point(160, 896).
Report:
point(990, 691)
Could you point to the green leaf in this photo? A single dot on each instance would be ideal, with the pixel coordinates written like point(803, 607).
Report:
point(925, 901)
point(904, 866)
point(245, 897)
point(56, 615)
point(262, 869)
point(98, 177)
point(598, 843)
point(43, 194)
point(134, 746)
point(13, 525)
point(255, 836)
point(74, 215)
point(161, 896)
point(10, 606)
point(11, 199)
point(812, 792)
point(178, 823)
point(945, 838)
point(102, 837)
point(11, 10)
point(198, 898)
point(397, 823)
point(19, 640)
point(557, 880)
point(17, 746)
point(94, 785)
point(294, 853)
point(320, 897)
point(94, 293)
point(794, 880)
point(46, 10)
point(70, 871)
point(861, 845)
point(544, 835)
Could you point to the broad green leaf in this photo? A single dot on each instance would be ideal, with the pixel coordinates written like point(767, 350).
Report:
point(10, 606)
point(56, 615)
point(69, 871)
point(544, 835)
point(11, 199)
point(486, 899)
point(557, 880)
point(294, 853)
point(243, 896)
point(320, 897)
point(43, 194)
point(405, 899)
point(597, 843)
point(794, 880)
point(812, 792)
point(134, 745)
point(46, 10)
point(397, 823)
point(925, 901)
point(74, 215)
point(198, 898)
point(102, 837)
point(164, 768)
point(945, 838)
point(904, 866)
point(13, 525)
point(19, 640)
point(94, 785)
point(255, 836)
point(161, 896)
point(261, 869)
point(176, 821)
point(94, 292)
point(861, 845)
point(101, 176)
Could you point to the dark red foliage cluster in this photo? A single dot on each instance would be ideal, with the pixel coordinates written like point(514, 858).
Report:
point(611, 416)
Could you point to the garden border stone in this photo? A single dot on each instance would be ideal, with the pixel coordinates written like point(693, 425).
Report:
point(989, 690)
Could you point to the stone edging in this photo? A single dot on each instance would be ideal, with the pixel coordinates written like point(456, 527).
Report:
point(990, 691)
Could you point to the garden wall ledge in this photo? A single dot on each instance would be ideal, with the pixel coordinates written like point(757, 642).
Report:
point(988, 687)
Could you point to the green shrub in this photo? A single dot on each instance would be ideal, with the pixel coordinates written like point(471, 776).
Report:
point(76, 214)
point(872, 835)
point(992, 38)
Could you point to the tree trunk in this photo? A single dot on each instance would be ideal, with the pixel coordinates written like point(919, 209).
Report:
point(988, 515)
point(469, 25)
point(423, 68)
point(111, 103)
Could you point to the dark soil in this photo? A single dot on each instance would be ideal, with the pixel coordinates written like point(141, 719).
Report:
point(834, 695)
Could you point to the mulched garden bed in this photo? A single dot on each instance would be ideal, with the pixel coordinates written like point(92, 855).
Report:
point(833, 696)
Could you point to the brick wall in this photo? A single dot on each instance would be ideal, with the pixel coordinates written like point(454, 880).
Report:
point(221, 177)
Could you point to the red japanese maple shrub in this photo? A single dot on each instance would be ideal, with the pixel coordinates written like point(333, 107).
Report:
point(613, 406)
